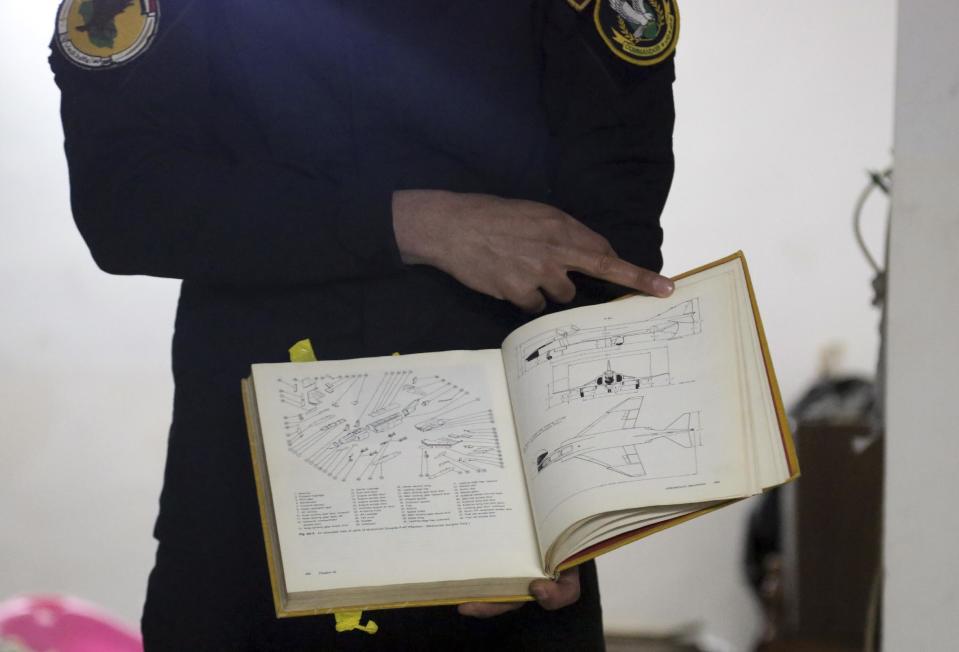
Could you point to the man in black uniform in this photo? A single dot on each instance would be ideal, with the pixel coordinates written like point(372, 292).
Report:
point(379, 177)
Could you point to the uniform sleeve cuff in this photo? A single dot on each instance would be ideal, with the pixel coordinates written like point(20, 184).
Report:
point(365, 228)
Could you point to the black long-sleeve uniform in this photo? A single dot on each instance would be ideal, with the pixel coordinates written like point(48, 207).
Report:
point(251, 149)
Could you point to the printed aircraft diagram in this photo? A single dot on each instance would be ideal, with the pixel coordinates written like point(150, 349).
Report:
point(610, 381)
point(353, 427)
point(585, 376)
point(460, 452)
point(682, 320)
point(617, 442)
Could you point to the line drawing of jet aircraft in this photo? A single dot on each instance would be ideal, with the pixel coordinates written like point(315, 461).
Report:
point(681, 320)
point(611, 381)
point(618, 443)
point(608, 380)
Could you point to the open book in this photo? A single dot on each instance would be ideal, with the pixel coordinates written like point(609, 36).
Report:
point(460, 476)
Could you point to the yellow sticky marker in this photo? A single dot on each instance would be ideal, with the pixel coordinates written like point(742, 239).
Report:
point(347, 621)
point(302, 351)
point(396, 352)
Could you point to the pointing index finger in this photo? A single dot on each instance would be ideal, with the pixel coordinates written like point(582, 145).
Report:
point(609, 267)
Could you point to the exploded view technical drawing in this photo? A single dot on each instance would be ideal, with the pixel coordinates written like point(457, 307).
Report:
point(350, 427)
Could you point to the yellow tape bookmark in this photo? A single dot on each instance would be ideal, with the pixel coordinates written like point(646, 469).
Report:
point(346, 621)
point(302, 351)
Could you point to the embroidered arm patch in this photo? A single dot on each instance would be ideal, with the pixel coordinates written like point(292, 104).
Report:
point(641, 32)
point(102, 34)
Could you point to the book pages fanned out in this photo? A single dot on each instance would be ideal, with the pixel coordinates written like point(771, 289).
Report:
point(460, 476)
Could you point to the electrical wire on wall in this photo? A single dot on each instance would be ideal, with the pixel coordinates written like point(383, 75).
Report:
point(882, 181)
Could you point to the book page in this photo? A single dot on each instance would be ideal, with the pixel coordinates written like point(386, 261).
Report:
point(395, 470)
point(632, 403)
point(773, 465)
point(769, 457)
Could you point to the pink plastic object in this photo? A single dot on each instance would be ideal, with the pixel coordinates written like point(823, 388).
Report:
point(61, 624)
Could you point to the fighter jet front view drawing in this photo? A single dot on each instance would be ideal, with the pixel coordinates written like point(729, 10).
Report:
point(616, 441)
point(681, 320)
point(583, 378)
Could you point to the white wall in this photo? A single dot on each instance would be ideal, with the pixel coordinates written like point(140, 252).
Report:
point(85, 391)
point(781, 106)
point(921, 597)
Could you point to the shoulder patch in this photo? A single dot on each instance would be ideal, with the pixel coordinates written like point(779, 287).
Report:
point(642, 32)
point(578, 5)
point(103, 34)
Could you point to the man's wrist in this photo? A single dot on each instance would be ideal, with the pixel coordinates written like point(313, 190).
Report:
point(414, 225)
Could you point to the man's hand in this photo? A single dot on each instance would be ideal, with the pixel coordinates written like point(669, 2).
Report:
point(508, 248)
point(550, 595)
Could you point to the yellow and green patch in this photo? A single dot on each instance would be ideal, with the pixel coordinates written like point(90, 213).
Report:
point(100, 34)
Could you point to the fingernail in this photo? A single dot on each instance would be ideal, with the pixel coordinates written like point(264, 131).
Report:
point(663, 286)
point(539, 592)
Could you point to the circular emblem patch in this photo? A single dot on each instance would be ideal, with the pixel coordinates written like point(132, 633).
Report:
point(643, 32)
point(100, 34)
